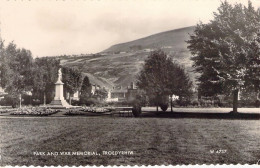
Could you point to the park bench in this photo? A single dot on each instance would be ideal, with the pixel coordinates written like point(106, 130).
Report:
point(122, 111)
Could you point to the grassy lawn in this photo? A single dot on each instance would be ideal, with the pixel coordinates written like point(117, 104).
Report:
point(153, 140)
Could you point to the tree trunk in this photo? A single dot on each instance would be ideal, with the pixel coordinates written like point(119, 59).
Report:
point(171, 103)
point(235, 100)
point(70, 98)
point(157, 104)
point(44, 99)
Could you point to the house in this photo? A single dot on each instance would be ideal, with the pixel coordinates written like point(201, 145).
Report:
point(109, 97)
point(94, 88)
point(75, 96)
point(131, 92)
point(2, 93)
point(118, 94)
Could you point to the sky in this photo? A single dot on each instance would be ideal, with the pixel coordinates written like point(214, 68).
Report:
point(58, 27)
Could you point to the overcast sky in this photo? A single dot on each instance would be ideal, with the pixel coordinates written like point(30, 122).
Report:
point(51, 27)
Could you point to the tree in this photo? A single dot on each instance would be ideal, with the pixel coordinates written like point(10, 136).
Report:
point(226, 50)
point(85, 91)
point(160, 77)
point(45, 74)
point(5, 70)
point(100, 94)
point(72, 79)
point(15, 71)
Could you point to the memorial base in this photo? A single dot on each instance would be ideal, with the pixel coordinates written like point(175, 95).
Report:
point(59, 104)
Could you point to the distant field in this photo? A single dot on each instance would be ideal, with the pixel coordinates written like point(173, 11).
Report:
point(153, 140)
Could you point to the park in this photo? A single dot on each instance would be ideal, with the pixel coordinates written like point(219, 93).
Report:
point(55, 111)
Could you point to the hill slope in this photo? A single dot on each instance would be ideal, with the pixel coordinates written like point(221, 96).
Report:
point(174, 38)
point(119, 64)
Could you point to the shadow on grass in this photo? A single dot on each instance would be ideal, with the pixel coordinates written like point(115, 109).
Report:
point(146, 114)
point(231, 115)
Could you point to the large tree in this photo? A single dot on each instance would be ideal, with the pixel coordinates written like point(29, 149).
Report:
point(15, 71)
point(160, 77)
point(45, 73)
point(226, 50)
point(85, 91)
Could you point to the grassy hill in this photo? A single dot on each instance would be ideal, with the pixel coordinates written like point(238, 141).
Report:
point(119, 64)
point(174, 39)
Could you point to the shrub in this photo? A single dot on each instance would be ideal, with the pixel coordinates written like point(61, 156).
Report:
point(164, 106)
point(137, 109)
point(75, 102)
point(9, 100)
point(195, 103)
point(89, 101)
point(183, 102)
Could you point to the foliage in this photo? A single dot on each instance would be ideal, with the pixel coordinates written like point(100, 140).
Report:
point(164, 106)
point(195, 103)
point(15, 70)
point(100, 94)
point(45, 73)
point(161, 77)
point(137, 110)
point(226, 50)
point(72, 79)
point(85, 91)
point(248, 98)
point(9, 100)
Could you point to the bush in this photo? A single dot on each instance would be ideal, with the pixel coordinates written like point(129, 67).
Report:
point(195, 103)
point(9, 100)
point(137, 110)
point(75, 102)
point(89, 101)
point(184, 103)
point(164, 106)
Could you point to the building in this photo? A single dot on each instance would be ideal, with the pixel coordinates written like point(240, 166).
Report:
point(2, 93)
point(131, 92)
point(75, 96)
point(109, 97)
point(118, 94)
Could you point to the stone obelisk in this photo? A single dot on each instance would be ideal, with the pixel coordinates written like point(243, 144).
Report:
point(59, 101)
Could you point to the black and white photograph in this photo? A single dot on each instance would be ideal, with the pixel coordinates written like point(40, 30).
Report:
point(129, 82)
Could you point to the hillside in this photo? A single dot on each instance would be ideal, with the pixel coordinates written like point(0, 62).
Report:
point(174, 39)
point(119, 64)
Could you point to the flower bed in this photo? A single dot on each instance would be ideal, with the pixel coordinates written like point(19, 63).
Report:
point(95, 109)
point(74, 112)
point(87, 111)
point(35, 111)
point(6, 110)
